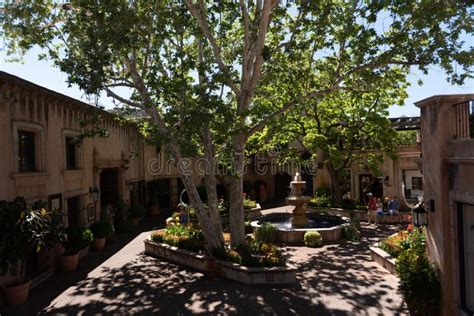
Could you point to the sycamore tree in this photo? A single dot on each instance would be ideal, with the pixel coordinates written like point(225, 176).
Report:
point(339, 129)
point(204, 72)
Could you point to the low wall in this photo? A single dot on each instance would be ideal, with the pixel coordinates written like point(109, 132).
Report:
point(383, 258)
point(248, 275)
point(361, 215)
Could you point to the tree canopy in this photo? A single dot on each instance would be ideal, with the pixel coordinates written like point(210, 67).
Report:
point(211, 74)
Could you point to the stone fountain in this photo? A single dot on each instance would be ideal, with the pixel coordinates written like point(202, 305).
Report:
point(298, 200)
point(292, 227)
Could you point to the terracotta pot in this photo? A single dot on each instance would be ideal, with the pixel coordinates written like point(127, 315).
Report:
point(17, 294)
point(68, 262)
point(98, 243)
point(154, 210)
point(83, 252)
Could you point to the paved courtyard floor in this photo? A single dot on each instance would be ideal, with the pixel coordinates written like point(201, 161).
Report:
point(337, 279)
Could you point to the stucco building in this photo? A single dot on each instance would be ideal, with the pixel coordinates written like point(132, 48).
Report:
point(448, 172)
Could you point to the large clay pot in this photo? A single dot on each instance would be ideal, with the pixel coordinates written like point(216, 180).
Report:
point(68, 262)
point(17, 294)
point(98, 243)
point(154, 210)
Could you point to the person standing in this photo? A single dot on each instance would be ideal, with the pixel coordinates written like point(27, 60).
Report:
point(371, 207)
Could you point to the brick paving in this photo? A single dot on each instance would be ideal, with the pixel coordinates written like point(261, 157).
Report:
point(337, 279)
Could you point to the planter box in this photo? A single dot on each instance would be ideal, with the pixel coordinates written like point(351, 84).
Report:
point(188, 258)
point(383, 258)
point(248, 275)
point(256, 275)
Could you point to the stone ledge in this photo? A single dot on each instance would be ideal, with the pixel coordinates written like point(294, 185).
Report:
point(256, 275)
point(383, 258)
point(185, 257)
point(361, 215)
point(229, 270)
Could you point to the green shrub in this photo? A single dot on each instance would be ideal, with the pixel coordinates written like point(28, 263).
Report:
point(321, 201)
point(266, 233)
point(181, 236)
point(255, 254)
point(351, 231)
point(412, 238)
point(136, 211)
point(352, 205)
point(313, 239)
point(249, 204)
point(322, 191)
point(77, 238)
point(419, 282)
point(101, 229)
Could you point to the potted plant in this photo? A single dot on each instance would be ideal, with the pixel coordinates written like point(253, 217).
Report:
point(136, 213)
point(23, 229)
point(100, 230)
point(77, 238)
point(154, 206)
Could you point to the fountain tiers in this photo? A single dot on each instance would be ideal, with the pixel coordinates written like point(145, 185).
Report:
point(298, 200)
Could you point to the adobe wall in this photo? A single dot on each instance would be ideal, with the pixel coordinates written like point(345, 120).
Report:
point(438, 126)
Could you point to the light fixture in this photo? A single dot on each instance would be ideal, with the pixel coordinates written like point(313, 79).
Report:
point(130, 186)
point(420, 215)
point(95, 194)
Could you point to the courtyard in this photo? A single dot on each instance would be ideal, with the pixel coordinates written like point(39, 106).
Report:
point(336, 279)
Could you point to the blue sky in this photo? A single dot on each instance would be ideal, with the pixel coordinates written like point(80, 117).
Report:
point(44, 74)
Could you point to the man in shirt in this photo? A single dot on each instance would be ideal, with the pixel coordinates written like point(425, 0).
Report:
point(393, 206)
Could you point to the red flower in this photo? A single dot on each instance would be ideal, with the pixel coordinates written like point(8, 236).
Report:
point(410, 227)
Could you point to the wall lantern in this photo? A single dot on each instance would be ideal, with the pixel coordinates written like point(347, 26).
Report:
point(420, 215)
point(130, 186)
point(95, 194)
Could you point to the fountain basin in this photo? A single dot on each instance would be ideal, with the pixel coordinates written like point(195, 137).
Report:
point(329, 226)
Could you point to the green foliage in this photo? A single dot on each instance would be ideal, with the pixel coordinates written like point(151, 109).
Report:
point(266, 233)
point(321, 201)
point(24, 229)
point(136, 211)
point(419, 282)
point(412, 238)
point(204, 78)
point(77, 238)
point(181, 236)
point(101, 229)
point(351, 231)
point(255, 254)
point(406, 138)
point(313, 239)
point(249, 204)
point(323, 191)
point(353, 205)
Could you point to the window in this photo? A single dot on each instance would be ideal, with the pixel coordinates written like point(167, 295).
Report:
point(26, 151)
point(71, 153)
point(417, 183)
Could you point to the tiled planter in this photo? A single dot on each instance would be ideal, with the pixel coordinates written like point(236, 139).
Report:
point(383, 258)
point(256, 275)
point(188, 258)
point(249, 275)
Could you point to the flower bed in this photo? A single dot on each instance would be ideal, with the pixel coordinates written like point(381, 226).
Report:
point(387, 251)
point(257, 263)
